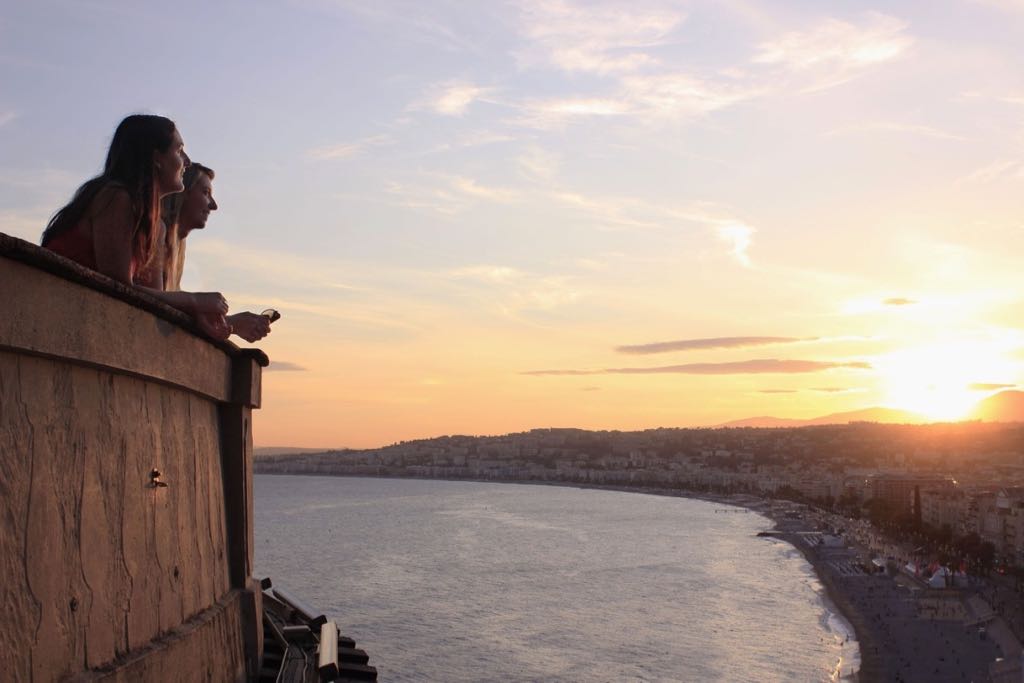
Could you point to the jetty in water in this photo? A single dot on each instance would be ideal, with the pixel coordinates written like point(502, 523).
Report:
point(126, 541)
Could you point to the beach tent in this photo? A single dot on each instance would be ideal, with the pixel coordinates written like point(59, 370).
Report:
point(940, 578)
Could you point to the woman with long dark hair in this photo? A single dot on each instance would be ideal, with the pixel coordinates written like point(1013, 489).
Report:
point(112, 224)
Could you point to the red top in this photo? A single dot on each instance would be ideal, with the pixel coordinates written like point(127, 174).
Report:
point(77, 244)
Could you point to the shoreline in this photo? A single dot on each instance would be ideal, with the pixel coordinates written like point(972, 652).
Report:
point(892, 636)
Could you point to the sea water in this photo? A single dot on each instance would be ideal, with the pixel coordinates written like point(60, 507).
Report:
point(468, 581)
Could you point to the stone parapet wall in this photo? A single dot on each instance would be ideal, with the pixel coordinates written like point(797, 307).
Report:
point(103, 567)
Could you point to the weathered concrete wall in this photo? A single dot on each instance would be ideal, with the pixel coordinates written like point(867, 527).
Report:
point(97, 566)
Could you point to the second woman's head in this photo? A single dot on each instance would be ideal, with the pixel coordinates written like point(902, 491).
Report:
point(147, 155)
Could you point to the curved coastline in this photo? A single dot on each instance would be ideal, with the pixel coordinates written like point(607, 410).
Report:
point(833, 600)
point(692, 593)
point(885, 612)
point(881, 657)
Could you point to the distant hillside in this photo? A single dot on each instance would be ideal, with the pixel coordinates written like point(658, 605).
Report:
point(286, 450)
point(1006, 406)
point(887, 415)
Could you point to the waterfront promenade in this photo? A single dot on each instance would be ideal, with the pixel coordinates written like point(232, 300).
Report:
point(907, 631)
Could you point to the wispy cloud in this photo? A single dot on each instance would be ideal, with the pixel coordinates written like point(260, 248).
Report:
point(594, 38)
point(815, 390)
point(709, 343)
point(429, 197)
point(452, 98)
point(893, 127)
point(681, 95)
point(447, 194)
point(745, 367)
point(835, 51)
point(618, 45)
point(554, 113)
point(476, 138)
point(611, 212)
point(284, 366)
point(777, 391)
point(472, 188)
point(346, 150)
point(538, 163)
point(511, 290)
point(740, 237)
point(639, 88)
point(643, 98)
point(627, 213)
point(998, 170)
point(836, 390)
point(6, 117)
point(877, 303)
point(1005, 5)
point(486, 273)
point(408, 21)
point(983, 386)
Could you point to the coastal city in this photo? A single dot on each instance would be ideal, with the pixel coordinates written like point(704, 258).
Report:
point(916, 531)
point(965, 478)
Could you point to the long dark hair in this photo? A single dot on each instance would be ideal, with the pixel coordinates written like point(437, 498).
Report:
point(129, 166)
point(174, 245)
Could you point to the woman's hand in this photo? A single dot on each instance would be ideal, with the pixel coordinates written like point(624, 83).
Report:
point(214, 325)
point(249, 326)
point(209, 303)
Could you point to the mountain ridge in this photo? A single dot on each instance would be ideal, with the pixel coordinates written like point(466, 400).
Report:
point(1005, 406)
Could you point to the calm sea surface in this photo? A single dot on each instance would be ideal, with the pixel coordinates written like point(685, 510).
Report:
point(465, 581)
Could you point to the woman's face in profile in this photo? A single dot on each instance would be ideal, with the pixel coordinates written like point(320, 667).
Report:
point(169, 166)
point(198, 203)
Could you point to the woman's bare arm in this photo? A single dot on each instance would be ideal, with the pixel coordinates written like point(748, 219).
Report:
point(193, 303)
point(112, 233)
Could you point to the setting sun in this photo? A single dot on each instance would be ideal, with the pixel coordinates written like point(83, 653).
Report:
point(940, 381)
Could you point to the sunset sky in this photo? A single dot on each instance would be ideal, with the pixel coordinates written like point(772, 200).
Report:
point(483, 217)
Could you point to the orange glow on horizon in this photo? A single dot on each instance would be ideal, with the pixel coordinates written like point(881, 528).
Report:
point(936, 381)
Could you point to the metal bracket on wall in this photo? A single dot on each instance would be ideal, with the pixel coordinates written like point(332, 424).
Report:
point(154, 479)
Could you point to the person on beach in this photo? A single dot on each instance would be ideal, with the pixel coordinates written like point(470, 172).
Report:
point(182, 213)
point(112, 223)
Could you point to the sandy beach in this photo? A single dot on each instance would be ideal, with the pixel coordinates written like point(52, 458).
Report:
point(907, 632)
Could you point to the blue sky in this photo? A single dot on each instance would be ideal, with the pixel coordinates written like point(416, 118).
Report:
point(443, 198)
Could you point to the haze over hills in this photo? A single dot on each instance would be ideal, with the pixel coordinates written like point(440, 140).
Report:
point(887, 415)
point(1006, 406)
point(286, 450)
